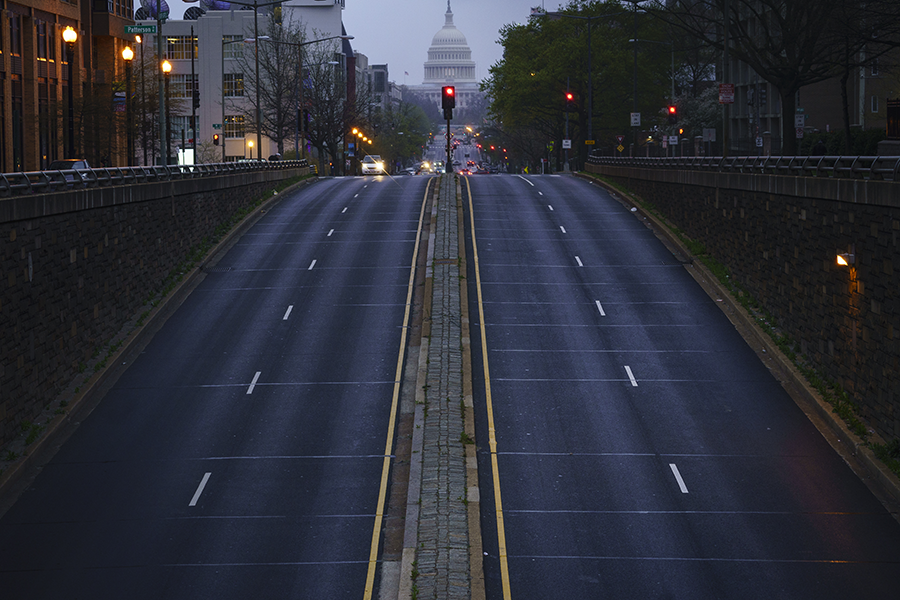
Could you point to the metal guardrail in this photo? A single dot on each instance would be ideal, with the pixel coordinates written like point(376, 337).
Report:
point(850, 167)
point(41, 182)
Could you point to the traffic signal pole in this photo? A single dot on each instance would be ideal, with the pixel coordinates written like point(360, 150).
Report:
point(448, 103)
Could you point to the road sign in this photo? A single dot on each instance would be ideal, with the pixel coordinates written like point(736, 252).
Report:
point(589, 142)
point(620, 147)
point(726, 93)
point(140, 29)
point(620, 138)
point(673, 140)
point(217, 126)
point(799, 120)
point(759, 142)
point(799, 133)
point(635, 119)
point(709, 134)
point(567, 144)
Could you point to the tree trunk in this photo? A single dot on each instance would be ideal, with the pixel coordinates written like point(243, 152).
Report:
point(788, 131)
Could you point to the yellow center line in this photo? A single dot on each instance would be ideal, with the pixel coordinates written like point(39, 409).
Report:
point(498, 504)
point(395, 401)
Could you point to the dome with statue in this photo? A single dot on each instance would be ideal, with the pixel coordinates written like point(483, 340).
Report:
point(449, 57)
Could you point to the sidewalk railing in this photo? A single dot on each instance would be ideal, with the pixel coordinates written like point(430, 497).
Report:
point(41, 182)
point(851, 167)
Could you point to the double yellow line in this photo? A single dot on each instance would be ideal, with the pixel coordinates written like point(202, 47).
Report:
point(492, 437)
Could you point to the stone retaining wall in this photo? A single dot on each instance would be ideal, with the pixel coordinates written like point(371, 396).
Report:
point(779, 237)
point(77, 265)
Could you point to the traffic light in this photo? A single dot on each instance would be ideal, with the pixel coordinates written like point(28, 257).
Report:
point(673, 114)
point(448, 97)
point(215, 139)
point(570, 101)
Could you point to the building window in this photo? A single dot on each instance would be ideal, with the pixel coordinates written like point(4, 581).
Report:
point(234, 126)
point(233, 85)
point(874, 104)
point(179, 47)
point(180, 85)
point(232, 48)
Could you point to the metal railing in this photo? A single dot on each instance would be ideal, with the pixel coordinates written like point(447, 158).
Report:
point(850, 167)
point(42, 182)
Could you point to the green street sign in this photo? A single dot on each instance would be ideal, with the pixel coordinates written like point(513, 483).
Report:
point(140, 29)
point(217, 126)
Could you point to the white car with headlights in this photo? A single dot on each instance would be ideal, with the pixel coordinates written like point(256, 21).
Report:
point(372, 165)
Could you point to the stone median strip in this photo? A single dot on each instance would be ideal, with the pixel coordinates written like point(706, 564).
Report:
point(442, 544)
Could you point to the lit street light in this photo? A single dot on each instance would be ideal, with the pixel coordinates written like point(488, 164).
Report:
point(127, 56)
point(166, 69)
point(70, 36)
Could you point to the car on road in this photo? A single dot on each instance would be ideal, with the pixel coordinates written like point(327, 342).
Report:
point(372, 165)
point(71, 164)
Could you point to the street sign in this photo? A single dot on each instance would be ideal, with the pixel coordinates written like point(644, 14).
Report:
point(759, 142)
point(140, 29)
point(620, 138)
point(589, 142)
point(709, 134)
point(799, 120)
point(799, 133)
point(217, 126)
point(726, 93)
point(567, 144)
point(673, 140)
point(635, 119)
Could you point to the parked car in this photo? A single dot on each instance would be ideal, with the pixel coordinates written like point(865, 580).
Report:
point(372, 165)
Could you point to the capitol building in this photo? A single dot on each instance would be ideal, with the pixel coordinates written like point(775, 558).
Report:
point(449, 63)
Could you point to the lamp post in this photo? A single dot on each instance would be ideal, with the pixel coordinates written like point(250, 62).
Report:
point(70, 36)
point(166, 69)
point(144, 136)
point(127, 56)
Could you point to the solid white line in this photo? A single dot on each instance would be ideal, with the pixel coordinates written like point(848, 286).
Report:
point(329, 233)
point(199, 490)
point(631, 376)
point(253, 383)
point(525, 180)
point(561, 228)
point(356, 196)
point(678, 478)
point(550, 206)
point(600, 308)
point(287, 313)
point(540, 193)
point(345, 209)
point(311, 265)
point(580, 264)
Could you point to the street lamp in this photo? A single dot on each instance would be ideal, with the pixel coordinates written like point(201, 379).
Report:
point(127, 56)
point(70, 36)
point(144, 136)
point(166, 69)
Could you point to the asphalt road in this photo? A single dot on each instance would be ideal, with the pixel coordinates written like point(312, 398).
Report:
point(241, 455)
point(642, 450)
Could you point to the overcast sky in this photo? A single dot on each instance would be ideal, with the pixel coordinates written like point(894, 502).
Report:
point(399, 32)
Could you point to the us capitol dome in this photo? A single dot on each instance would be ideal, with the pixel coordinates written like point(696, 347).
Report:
point(449, 63)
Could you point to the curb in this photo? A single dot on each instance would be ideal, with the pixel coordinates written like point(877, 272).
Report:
point(83, 403)
point(880, 480)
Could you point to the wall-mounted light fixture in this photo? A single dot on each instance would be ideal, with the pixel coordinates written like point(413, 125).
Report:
point(846, 259)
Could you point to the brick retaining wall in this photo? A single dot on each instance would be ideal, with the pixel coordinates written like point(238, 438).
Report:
point(77, 265)
point(779, 237)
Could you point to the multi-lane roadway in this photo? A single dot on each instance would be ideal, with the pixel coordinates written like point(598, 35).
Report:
point(242, 454)
point(639, 447)
point(630, 444)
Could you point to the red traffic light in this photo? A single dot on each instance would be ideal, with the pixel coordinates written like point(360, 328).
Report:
point(448, 97)
point(672, 110)
point(569, 96)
